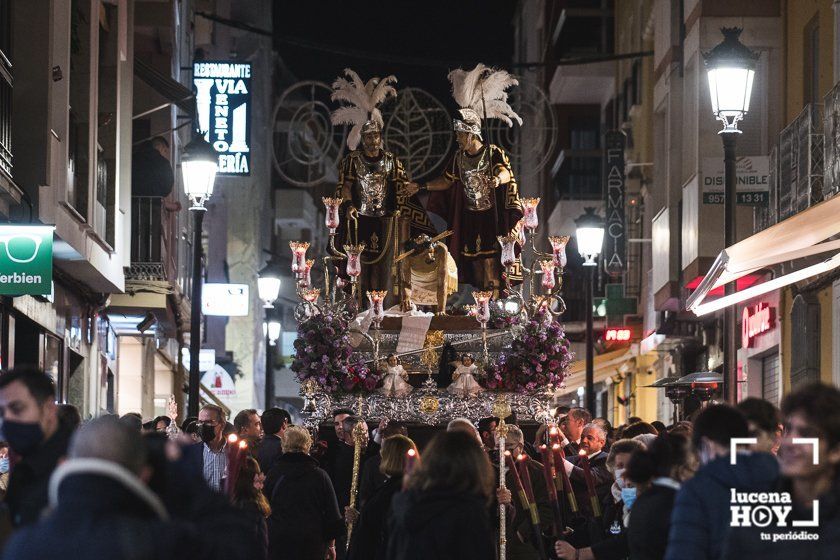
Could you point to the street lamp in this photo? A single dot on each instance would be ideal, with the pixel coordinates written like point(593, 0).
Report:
point(198, 168)
point(268, 286)
point(590, 239)
point(731, 70)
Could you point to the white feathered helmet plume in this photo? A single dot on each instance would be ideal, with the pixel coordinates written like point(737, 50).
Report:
point(482, 94)
point(361, 100)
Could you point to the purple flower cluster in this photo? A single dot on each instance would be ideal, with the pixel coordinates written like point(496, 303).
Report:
point(539, 355)
point(323, 354)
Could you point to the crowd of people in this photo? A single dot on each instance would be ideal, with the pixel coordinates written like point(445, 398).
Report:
point(261, 487)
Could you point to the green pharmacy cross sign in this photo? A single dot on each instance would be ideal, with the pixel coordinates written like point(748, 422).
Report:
point(26, 260)
point(615, 306)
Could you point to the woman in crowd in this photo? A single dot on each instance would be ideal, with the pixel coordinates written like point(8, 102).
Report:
point(248, 496)
point(812, 412)
point(304, 520)
point(608, 534)
point(370, 535)
point(656, 474)
point(443, 513)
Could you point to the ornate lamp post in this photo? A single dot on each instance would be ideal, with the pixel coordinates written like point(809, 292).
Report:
point(590, 239)
point(198, 167)
point(731, 70)
point(268, 286)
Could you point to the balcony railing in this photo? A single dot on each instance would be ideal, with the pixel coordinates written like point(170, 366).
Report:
point(801, 158)
point(153, 240)
point(831, 128)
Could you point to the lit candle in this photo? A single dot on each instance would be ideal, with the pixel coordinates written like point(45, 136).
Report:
point(558, 249)
point(331, 219)
point(299, 249)
point(377, 299)
point(560, 470)
point(547, 267)
point(482, 306)
point(508, 243)
point(525, 473)
point(551, 487)
point(520, 490)
point(354, 263)
point(590, 482)
point(529, 210)
point(410, 461)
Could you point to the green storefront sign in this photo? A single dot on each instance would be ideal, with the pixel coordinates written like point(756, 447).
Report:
point(26, 260)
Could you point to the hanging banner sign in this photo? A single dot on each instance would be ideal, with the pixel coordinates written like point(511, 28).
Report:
point(752, 181)
point(223, 101)
point(219, 382)
point(26, 260)
point(615, 235)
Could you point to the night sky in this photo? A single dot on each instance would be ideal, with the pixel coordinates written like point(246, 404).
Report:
point(447, 34)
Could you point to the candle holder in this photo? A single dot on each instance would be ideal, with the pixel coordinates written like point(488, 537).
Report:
point(482, 315)
point(529, 209)
point(547, 266)
point(331, 219)
point(558, 249)
point(354, 264)
point(377, 300)
point(299, 249)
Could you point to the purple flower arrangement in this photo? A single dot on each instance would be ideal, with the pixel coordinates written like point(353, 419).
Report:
point(539, 356)
point(324, 355)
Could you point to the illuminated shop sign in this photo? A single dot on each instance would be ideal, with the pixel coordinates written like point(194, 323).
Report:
point(26, 260)
point(225, 300)
point(618, 335)
point(223, 101)
point(758, 320)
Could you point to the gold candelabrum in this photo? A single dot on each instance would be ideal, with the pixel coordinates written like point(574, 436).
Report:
point(533, 263)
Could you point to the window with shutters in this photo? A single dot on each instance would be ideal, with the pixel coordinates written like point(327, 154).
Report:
point(770, 378)
point(805, 341)
point(5, 87)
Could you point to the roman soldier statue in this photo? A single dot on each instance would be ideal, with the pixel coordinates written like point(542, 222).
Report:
point(479, 196)
point(373, 184)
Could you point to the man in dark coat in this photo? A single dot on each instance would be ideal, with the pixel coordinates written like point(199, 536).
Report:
point(274, 423)
point(591, 444)
point(35, 435)
point(701, 516)
point(102, 508)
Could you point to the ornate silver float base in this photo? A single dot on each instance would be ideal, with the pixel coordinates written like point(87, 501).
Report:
point(425, 406)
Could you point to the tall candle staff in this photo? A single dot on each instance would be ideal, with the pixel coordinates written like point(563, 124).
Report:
point(590, 483)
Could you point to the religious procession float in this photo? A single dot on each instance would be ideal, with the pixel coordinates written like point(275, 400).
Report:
point(375, 333)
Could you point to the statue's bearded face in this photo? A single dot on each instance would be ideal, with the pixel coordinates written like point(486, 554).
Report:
point(372, 141)
point(464, 139)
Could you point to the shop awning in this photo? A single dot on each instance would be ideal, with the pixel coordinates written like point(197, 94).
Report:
point(169, 89)
point(801, 235)
point(606, 365)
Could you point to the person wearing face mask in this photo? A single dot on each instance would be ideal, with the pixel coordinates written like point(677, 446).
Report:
point(700, 520)
point(35, 434)
point(608, 534)
point(210, 454)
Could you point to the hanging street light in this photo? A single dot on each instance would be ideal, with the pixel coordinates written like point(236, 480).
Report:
point(198, 169)
point(590, 236)
point(731, 70)
point(268, 281)
point(590, 240)
point(268, 287)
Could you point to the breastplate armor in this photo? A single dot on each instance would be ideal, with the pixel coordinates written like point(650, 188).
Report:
point(373, 186)
point(477, 181)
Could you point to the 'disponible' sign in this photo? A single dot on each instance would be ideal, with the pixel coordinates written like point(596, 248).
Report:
point(26, 260)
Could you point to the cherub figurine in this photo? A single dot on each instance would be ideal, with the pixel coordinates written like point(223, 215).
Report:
point(464, 383)
point(395, 383)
